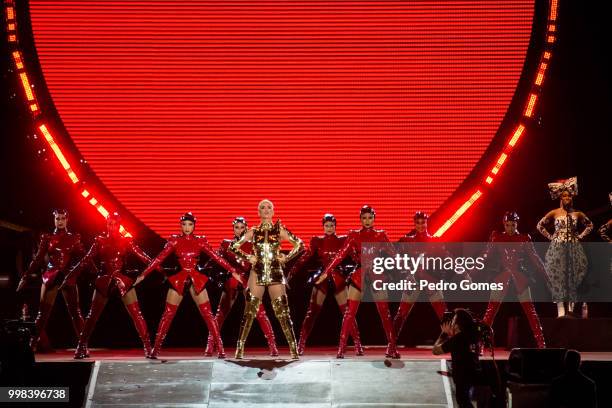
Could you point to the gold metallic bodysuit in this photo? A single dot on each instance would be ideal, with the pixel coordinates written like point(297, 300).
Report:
point(269, 270)
point(266, 247)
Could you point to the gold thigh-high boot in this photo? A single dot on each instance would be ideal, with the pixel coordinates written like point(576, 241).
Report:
point(251, 306)
point(281, 310)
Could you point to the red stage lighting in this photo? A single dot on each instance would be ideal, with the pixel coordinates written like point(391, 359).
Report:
point(380, 117)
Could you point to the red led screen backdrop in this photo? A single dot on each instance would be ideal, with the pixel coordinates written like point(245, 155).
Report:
point(210, 106)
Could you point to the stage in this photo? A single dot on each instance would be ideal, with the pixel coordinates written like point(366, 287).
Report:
point(463, 122)
point(184, 377)
point(373, 353)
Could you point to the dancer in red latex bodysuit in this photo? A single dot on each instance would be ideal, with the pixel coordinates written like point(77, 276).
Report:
point(108, 255)
point(511, 259)
point(61, 247)
point(352, 247)
point(232, 286)
point(420, 234)
point(324, 248)
point(187, 248)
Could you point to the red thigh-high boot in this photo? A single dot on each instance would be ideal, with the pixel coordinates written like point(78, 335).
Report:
point(309, 320)
point(534, 323)
point(354, 333)
point(490, 313)
point(439, 306)
point(44, 311)
point(162, 329)
point(43, 345)
point(213, 329)
point(385, 317)
point(141, 327)
point(266, 327)
point(348, 322)
point(71, 297)
point(222, 311)
point(97, 306)
point(400, 317)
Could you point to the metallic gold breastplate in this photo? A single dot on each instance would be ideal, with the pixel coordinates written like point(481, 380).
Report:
point(266, 246)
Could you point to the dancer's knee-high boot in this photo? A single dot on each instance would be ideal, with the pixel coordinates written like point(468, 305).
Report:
point(385, 317)
point(164, 326)
point(44, 311)
point(490, 313)
point(534, 323)
point(250, 311)
point(141, 327)
point(439, 307)
point(213, 329)
point(348, 322)
point(281, 310)
point(222, 311)
point(71, 297)
point(95, 311)
point(309, 320)
point(400, 317)
point(354, 332)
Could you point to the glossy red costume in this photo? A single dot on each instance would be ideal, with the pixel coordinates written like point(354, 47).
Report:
point(61, 247)
point(324, 249)
point(352, 248)
point(110, 252)
point(241, 265)
point(187, 248)
point(108, 255)
point(405, 307)
point(511, 259)
point(232, 285)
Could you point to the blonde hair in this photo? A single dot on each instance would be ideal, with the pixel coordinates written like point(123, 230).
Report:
point(265, 200)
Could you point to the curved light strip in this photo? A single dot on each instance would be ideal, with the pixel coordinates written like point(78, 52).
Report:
point(11, 23)
point(519, 130)
point(474, 196)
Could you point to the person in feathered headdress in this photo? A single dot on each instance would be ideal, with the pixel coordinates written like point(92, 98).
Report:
point(566, 262)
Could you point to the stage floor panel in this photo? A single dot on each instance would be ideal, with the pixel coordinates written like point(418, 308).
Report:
point(269, 383)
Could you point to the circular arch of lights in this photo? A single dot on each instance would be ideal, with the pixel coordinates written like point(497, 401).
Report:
point(89, 188)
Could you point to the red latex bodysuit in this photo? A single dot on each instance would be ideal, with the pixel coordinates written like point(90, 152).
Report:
point(352, 248)
point(109, 252)
point(108, 255)
point(323, 249)
point(439, 306)
point(511, 259)
point(242, 265)
point(188, 248)
point(61, 248)
point(231, 288)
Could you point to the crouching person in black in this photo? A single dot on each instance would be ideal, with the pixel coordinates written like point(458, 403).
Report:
point(460, 338)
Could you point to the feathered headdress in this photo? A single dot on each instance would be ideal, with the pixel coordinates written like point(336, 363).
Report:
point(559, 186)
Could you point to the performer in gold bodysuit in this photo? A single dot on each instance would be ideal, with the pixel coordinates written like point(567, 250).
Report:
point(267, 272)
